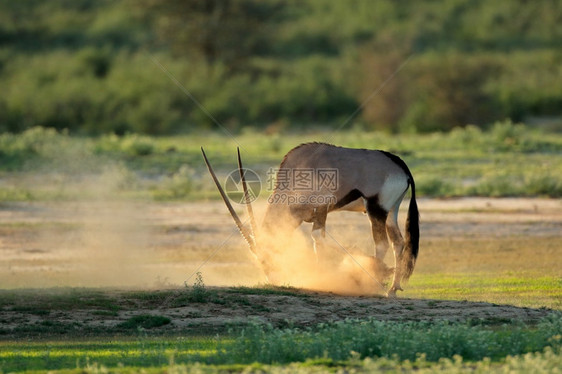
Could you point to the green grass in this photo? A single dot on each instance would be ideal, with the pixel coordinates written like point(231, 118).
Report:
point(517, 270)
point(54, 355)
point(359, 344)
point(524, 290)
point(460, 163)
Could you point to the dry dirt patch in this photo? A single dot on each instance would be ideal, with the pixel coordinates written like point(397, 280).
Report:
point(97, 312)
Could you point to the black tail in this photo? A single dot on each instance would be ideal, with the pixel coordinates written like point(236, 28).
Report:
point(412, 246)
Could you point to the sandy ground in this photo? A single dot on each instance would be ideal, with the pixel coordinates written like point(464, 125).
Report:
point(162, 246)
point(120, 244)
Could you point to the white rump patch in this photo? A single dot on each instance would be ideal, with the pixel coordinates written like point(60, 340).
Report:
point(392, 190)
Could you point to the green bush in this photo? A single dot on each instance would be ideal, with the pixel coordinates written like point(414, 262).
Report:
point(94, 67)
point(434, 186)
point(448, 90)
point(197, 293)
point(543, 184)
point(136, 145)
point(34, 141)
point(506, 136)
point(129, 144)
point(405, 341)
point(178, 186)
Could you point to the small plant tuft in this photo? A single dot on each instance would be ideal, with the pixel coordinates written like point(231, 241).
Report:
point(197, 293)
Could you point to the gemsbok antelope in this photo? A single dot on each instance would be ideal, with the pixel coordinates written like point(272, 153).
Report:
point(315, 179)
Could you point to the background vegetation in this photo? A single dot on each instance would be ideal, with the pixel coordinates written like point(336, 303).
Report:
point(43, 164)
point(96, 66)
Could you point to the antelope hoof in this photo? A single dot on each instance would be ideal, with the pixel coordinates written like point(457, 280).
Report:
point(392, 292)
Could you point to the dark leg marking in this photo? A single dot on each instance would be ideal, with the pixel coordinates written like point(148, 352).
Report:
point(378, 217)
point(375, 210)
point(350, 197)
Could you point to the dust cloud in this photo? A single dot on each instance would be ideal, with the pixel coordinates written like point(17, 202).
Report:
point(100, 238)
point(291, 260)
point(104, 241)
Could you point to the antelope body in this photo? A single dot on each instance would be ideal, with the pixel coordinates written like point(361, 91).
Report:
point(370, 181)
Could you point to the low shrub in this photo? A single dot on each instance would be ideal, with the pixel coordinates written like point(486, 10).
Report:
point(405, 341)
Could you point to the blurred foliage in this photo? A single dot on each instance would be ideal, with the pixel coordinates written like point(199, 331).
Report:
point(226, 31)
point(506, 159)
point(89, 66)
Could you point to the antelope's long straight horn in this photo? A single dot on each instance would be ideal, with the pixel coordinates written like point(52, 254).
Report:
point(247, 235)
point(247, 198)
